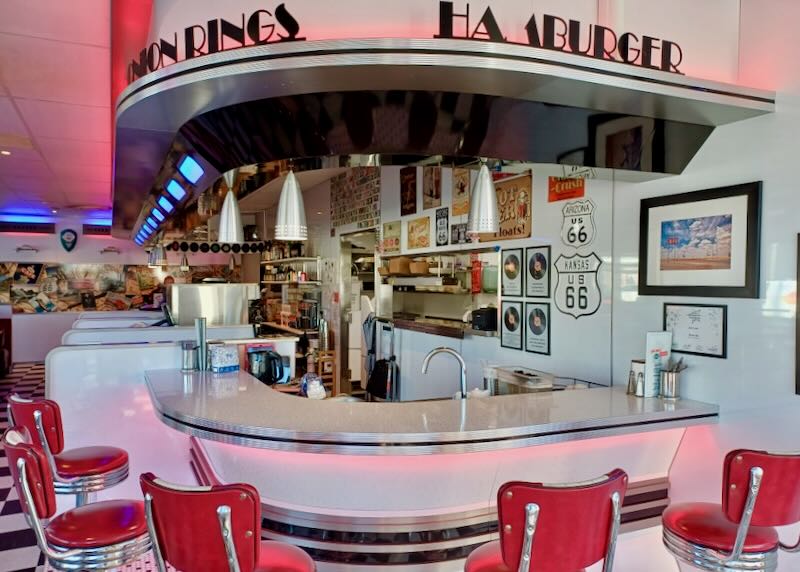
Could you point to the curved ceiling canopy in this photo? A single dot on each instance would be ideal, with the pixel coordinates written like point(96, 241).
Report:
point(453, 98)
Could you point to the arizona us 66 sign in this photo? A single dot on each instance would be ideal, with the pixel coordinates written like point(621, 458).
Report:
point(577, 291)
point(578, 228)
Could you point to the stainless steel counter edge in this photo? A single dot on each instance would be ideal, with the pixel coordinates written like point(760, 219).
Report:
point(162, 384)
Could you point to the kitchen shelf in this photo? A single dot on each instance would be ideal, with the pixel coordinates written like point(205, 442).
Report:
point(299, 282)
point(295, 260)
point(295, 331)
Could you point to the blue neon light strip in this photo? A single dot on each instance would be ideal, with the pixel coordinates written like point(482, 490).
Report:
point(13, 217)
point(190, 169)
point(157, 213)
point(174, 188)
point(147, 227)
point(151, 222)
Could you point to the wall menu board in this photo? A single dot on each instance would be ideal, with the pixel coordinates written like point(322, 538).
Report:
point(698, 329)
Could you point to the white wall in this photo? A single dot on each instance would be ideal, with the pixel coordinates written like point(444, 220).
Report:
point(33, 335)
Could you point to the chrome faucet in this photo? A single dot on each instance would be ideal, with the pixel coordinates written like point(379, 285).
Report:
point(456, 355)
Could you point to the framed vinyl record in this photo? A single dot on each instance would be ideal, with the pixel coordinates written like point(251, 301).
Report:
point(537, 327)
point(511, 325)
point(512, 272)
point(537, 272)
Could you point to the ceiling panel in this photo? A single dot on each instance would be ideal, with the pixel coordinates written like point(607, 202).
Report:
point(30, 185)
point(78, 191)
point(100, 173)
point(18, 154)
point(54, 71)
point(81, 21)
point(10, 121)
point(62, 121)
point(22, 167)
point(57, 151)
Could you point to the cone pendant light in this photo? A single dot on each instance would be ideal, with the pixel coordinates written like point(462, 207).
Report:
point(290, 224)
point(483, 215)
point(185, 263)
point(230, 219)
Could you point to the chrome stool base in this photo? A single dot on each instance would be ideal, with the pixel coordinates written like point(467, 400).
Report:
point(82, 486)
point(704, 558)
point(103, 558)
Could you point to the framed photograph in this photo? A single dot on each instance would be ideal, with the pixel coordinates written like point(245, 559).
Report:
point(408, 191)
point(537, 272)
point(697, 329)
point(704, 243)
point(537, 327)
point(511, 285)
point(622, 142)
point(511, 326)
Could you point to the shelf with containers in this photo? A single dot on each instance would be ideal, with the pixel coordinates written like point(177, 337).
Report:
point(440, 285)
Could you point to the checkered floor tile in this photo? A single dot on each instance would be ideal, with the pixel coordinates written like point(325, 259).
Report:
point(18, 550)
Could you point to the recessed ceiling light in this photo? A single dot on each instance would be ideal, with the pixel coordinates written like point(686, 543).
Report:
point(6, 153)
point(319, 212)
point(54, 211)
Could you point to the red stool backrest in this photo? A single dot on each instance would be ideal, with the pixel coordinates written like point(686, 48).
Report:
point(22, 413)
point(778, 502)
point(188, 529)
point(18, 445)
point(573, 526)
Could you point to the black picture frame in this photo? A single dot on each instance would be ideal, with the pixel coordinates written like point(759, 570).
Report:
point(724, 344)
point(518, 305)
point(505, 281)
point(529, 276)
point(752, 255)
point(548, 326)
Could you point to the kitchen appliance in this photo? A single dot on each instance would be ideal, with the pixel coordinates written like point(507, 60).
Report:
point(485, 319)
point(518, 379)
point(219, 304)
point(268, 366)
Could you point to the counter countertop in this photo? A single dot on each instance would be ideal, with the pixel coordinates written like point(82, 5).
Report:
point(237, 408)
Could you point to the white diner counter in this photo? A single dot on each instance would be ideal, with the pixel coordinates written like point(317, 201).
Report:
point(430, 498)
point(420, 505)
point(237, 408)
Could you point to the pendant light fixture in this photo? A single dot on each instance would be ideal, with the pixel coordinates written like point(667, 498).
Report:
point(290, 224)
point(483, 215)
point(184, 263)
point(158, 256)
point(230, 219)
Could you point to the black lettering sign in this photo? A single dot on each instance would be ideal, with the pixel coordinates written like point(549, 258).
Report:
point(570, 36)
point(220, 34)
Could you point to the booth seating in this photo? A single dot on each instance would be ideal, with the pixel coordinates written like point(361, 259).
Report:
point(97, 536)
point(74, 471)
point(554, 528)
point(213, 529)
point(760, 491)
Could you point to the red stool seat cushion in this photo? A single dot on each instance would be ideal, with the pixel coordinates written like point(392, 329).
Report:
point(90, 461)
point(98, 524)
point(280, 557)
point(705, 524)
point(486, 558)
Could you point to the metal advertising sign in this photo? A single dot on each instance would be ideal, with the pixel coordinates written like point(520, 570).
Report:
point(577, 291)
point(578, 228)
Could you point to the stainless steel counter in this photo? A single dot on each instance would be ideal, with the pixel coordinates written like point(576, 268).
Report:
point(237, 408)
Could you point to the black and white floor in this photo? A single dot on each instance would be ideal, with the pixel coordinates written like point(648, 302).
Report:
point(18, 550)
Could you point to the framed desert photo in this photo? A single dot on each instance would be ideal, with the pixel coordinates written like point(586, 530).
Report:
point(704, 243)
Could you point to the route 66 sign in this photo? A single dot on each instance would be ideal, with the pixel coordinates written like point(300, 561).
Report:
point(577, 291)
point(578, 228)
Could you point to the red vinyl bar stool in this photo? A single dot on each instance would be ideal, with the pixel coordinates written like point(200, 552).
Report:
point(75, 471)
point(760, 491)
point(554, 528)
point(98, 536)
point(213, 529)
